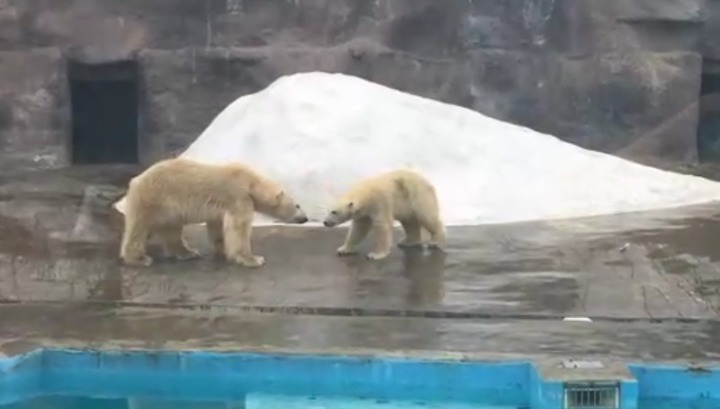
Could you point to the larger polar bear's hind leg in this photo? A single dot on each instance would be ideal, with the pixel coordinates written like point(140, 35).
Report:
point(174, 245)
point(215, 235)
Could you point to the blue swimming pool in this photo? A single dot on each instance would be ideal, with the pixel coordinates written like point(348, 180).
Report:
point(65, 379)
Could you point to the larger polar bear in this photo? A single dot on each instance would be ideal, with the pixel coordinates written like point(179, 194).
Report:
point(176, 192)
point(377, 202)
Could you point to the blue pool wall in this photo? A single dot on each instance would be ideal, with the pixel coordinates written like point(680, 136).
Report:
point(675, 382)
point(213, 376)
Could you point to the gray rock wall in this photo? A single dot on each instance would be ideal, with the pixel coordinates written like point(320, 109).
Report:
point(621, 76)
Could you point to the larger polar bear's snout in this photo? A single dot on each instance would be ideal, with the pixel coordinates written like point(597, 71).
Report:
point(300, 217)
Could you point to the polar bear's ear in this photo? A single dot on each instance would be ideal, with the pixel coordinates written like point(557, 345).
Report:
point(351, 205)
point(279, 196)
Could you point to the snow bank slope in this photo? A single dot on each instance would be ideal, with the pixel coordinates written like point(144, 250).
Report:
point(318, 133)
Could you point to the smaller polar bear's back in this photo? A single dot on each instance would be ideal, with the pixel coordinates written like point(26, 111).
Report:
point(401, 195)
point(409, 194)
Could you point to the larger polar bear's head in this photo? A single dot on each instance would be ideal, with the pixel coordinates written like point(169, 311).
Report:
point(281, 206)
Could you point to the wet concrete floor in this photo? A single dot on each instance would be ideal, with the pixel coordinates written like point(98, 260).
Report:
point(650, 282)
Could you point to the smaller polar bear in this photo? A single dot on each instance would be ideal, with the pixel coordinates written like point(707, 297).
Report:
point(403, 195)
point(176, 192)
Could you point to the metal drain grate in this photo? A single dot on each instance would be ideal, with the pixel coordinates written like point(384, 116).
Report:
point(592, 395)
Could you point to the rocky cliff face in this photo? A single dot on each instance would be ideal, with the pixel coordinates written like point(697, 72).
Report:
point(621, 76)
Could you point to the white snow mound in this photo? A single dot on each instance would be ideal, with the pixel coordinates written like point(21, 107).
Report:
point(319, 133)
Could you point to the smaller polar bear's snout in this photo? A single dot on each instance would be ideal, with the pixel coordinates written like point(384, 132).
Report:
point(300, 217)
point(333, 219)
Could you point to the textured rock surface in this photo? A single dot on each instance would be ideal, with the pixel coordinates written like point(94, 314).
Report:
point(622, 76)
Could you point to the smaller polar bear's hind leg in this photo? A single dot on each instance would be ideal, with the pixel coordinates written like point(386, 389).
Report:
point(429, 218)
point(359, 229)
point(237, 229)
point(435, 227)
point(174, 245)
point(413, 237)
point(215, 235)
point(134, 244)
point(383, 227)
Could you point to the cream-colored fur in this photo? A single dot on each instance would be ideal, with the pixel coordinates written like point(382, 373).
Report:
point(176, 192)
point(402, 195)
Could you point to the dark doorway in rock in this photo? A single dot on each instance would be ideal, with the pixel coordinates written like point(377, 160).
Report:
point(708, 133)
point(104, 100)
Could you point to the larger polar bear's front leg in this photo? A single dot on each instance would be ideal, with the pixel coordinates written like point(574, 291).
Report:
point(134, 242)
point(237, 229)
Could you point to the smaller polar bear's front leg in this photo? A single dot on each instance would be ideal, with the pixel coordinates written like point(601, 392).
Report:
point(237, 229)
point(358, 230)
point(383, 226)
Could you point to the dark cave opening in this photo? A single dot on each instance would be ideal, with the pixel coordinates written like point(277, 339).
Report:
point(708, 131)
point(104, 109)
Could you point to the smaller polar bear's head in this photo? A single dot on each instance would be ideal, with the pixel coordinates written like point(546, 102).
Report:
point(285, 209)
point(343, 211)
